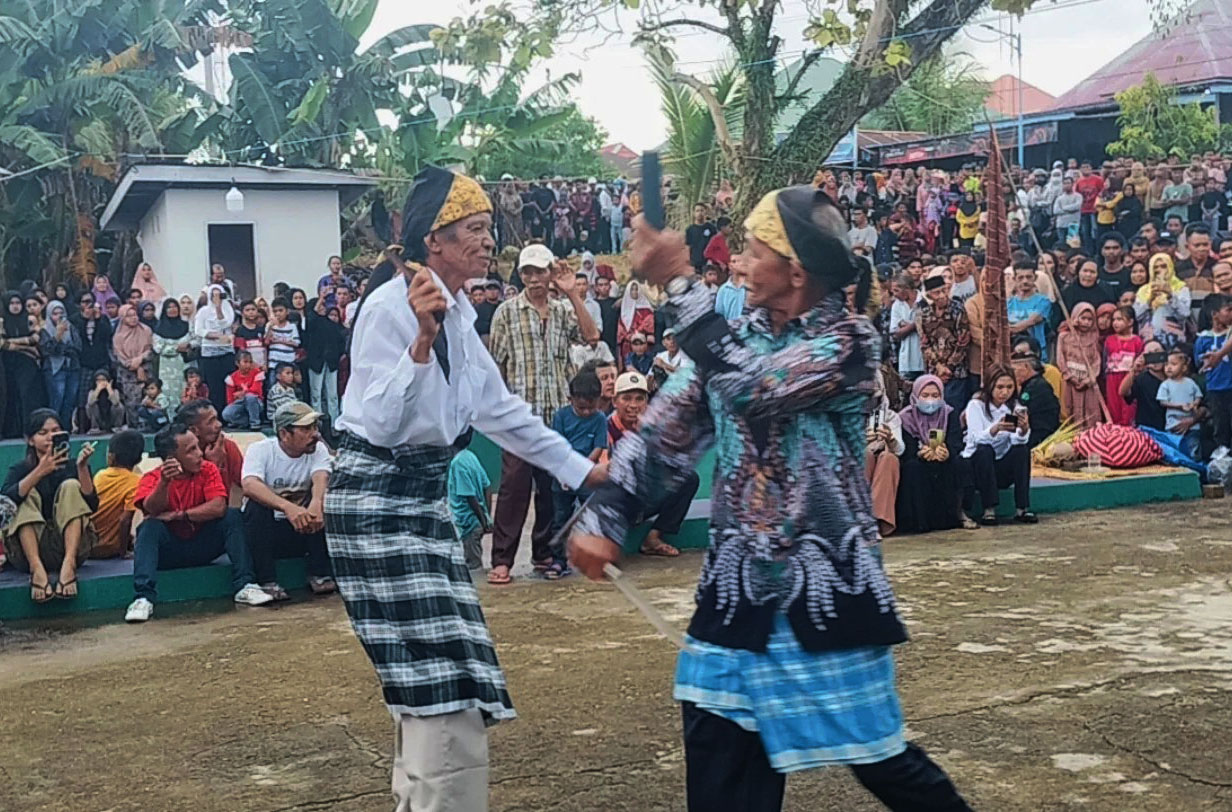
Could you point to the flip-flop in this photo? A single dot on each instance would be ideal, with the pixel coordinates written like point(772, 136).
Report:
point(45, 589)
point(60, 587)
point(661, 549)
point(501, 579)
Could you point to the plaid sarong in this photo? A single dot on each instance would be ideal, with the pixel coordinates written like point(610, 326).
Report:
point(401, 571)
point(811, 709)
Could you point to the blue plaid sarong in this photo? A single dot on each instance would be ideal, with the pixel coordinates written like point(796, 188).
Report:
point(811, 709)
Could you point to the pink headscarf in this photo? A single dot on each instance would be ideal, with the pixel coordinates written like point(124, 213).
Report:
point(915, 422)
point(151, 289)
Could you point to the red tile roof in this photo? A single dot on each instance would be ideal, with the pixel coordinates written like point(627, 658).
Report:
point(1196, 49)
point(1003, 97)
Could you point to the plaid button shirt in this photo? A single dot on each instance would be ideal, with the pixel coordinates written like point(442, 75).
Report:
point(533, 352)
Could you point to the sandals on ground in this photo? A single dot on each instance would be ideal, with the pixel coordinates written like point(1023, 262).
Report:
point(1026, 517)
point(323, 585)
point(41, 593)
point(499, 576)
point(659, 548)
point(275, 591)
point(970, 524)
point(556, 570)
point(62, 590)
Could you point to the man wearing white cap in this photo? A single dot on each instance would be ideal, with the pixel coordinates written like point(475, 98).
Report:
point(530, 340)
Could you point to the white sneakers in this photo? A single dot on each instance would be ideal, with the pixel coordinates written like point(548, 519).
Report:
point(141, 610)
point(253, 595)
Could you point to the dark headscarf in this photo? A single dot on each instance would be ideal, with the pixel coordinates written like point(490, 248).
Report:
point(969, 207)
point(150, 322)
point(167, 327)
point(16, 326)
point(803, 224)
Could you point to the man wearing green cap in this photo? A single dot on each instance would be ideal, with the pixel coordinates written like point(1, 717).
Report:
point(420, 377)
point(788, 662)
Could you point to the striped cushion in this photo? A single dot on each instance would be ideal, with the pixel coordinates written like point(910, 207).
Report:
point(1118, 446)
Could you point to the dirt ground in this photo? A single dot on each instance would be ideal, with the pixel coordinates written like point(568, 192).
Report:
point(1082, 664)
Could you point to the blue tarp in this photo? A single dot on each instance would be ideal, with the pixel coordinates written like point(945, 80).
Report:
point(1170, 444)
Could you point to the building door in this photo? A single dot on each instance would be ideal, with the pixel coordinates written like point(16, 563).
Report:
point(231, 246)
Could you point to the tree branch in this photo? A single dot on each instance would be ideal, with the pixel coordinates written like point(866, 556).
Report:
point(735, 28)
point(881, 26)
point(659, 26)
point(807, 62)
point(722, 133)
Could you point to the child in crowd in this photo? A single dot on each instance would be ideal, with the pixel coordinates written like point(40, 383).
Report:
point(250, 334)
point(1211, 353)
point(283, 339)
point(245, 389)
point(469, 499)
point(194, 386)
point(151, 416)
point(903, 328)
point(283, 391)
point(585, 427)
point(104, 408)
point(115, 486)
point(1078, 356)
point(1180, 397)
point(640, 358)
point(1120, 349)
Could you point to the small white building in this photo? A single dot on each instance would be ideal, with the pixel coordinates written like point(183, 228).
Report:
point(284, 230)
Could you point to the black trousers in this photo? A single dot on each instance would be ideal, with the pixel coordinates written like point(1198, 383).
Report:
point(990, 475)
point(1220, 404)
point(727, 769)
point(672, 510)
point(270, 539)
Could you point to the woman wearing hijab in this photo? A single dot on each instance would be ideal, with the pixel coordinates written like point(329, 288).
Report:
point(929, 488)
point(881, 458)
point(145, 281)
point(133, 345)
point(1164, 302)
point(214, 324)
point(636, 316)
point(60, 348)
point(172, 341)
point(326, 340)
point(1080, 358)
point(968, 217)
point(24, 385)
point(1086, 288)
point(1129, 210)
point(103, 292)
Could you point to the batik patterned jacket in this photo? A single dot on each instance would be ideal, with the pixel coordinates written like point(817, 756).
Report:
point(791, 524)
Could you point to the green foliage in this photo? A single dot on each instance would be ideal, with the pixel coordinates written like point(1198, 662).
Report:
point(1154, 126)
point(568, 145)
point(945, 94)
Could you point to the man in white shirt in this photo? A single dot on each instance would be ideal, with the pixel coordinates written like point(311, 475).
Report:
point(284, 481)
point(218, 276)
point(420, 377)
point(863, 235)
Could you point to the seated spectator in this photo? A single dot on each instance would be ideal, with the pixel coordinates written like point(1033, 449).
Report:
point(202, 420)
point(639, 359)
point(1025, 345)
point(187, 523)
point(632, 395)
point(930, 483)
point(194, 387)
point(151, 416)
point(104, 409)
point(607, 374)
point(593, 350)
point(116, 485)
point(1164, 302)
point(1043, 407)
point(885, 444)
point(468, 500)
point(585, 427)
point(670, 359)
point(245, 388)
point(998, 431)
point(284, 390)
point(1180, 399)
point(51, 530)
point(284, 509)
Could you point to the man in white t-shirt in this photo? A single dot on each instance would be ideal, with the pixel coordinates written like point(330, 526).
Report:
point(862, 235)
point(284, 481)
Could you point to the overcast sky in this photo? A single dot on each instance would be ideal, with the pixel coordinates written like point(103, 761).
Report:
point(1062, 44)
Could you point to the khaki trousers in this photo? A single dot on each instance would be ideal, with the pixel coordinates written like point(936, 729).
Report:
point(441, 763)
point(69, 505)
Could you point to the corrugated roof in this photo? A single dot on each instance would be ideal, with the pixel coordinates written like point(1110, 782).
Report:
point(1196, 49)
point(1002, 97)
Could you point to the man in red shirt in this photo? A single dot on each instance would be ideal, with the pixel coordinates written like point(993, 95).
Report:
point(632, 395)
point(1089, 186)
point(201, 418)
point(187, 523)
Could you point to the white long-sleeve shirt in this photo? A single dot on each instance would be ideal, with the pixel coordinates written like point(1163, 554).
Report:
point(978, 424)
point(391, 400)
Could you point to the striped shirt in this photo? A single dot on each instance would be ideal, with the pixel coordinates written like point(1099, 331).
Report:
point(281, 353)
point(533, 352)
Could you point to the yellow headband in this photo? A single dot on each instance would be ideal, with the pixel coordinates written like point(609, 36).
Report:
point(465, 197)
point(766, 224)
